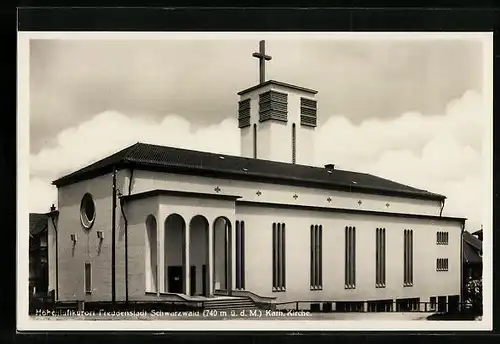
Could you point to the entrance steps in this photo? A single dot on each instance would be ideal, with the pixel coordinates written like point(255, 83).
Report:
point(229, 303)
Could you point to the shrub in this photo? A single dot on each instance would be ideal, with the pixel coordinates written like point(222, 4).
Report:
point(474, 295)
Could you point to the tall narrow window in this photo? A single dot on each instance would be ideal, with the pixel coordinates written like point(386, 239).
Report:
point(240, 255)
point(350, 257)
point(442, 264)
point(316, 257)
point(380, 258)
point(442, 238)
point(408, 257)
point(88, 278)
point(279, 257)
point(255, 141)
point(294, 143)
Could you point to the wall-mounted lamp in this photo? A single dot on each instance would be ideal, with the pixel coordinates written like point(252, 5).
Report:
point(73, 238)
point(99, 235)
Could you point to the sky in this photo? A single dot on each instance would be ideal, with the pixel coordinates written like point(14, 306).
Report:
point(407, 110)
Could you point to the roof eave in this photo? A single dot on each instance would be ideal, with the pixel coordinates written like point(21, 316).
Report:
point(277, 83)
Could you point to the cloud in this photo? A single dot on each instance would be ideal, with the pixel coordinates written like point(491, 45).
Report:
point(439, 153)
point(73, 80)
point(110, 132)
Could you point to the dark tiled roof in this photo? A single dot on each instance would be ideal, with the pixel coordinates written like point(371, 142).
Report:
point(471, 256)
point(473, 241)
point(176, 160)
point(478, 232)
point(472, 248)
point(38, 223)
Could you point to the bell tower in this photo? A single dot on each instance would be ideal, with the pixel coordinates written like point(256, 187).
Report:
point(277, 120)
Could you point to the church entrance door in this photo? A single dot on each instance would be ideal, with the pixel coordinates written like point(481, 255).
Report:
point(204, 280)
point(193, 280)
point(175, 284)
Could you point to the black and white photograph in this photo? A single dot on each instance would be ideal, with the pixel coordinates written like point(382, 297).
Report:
point(334, 181)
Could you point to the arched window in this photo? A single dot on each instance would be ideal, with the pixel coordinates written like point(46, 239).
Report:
point(294, 144)
point(151, 270)
point(255, 141)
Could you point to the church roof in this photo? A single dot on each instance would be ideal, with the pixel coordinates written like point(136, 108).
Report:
point(176, 160)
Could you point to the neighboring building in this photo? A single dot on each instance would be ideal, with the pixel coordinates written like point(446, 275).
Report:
point(472, 256)
point(38, 257)
point(479, 234)
point(163, 223)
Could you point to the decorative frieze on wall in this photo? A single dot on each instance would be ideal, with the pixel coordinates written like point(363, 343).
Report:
point(249, 191)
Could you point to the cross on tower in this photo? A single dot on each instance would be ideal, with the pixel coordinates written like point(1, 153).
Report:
point(261, 55)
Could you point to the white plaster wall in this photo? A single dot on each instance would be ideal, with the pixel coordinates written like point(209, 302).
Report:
point(137, 213)
point(264, 140)
point(427, 282)
point(280, 141)
point(88, 247)
point(283, 194)
point(305, 145)
point(246, 138)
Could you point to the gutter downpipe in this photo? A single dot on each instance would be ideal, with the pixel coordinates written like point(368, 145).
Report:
point(462, 265)
point(57, 256)
point(122, 201)
point(113, 239)
point(442, 207)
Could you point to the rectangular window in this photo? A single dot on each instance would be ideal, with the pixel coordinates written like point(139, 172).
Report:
point(380, 258)
point(442, 264)
point(244, 113)
point(279, 257)
point(408, 258)
point(350, 257)
point(316, 269)
point(240, 254)
point(88, 278)
point(442, 238)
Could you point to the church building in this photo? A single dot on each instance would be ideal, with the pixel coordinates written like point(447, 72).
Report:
point(156, 223)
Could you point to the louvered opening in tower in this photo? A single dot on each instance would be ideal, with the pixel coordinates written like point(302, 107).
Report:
point(273, 106)
point(244, 113)
point(308, 112)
